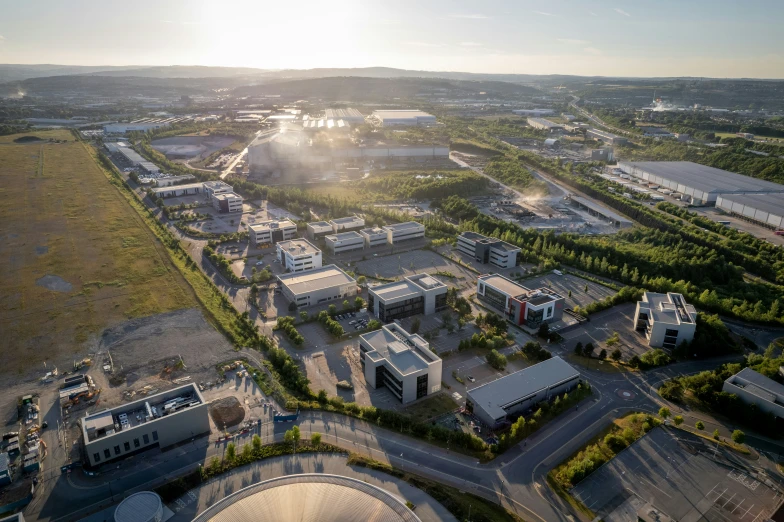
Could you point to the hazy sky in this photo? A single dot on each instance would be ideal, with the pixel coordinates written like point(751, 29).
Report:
point(721, 38)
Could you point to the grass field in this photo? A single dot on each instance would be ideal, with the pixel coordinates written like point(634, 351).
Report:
point(434, 406)
point(60, 216)
point(756, 137)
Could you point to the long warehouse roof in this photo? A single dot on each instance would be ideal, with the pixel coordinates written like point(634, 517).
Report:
point(704, 178)
point(771, 203)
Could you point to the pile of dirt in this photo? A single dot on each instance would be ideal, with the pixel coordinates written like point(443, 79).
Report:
point(227, 412)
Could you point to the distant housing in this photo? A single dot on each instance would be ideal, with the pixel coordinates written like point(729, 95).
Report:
point(141, 125)
point(374, 236)
point(404, 231)
point(298, 255)
point(271, 231)
point(344, 242)
point(533, 112)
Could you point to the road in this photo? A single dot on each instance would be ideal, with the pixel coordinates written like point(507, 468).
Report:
point(598, 121)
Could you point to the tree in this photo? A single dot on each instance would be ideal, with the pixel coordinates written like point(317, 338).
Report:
point(359, 303)
point(361, 280)
point(616, 355)
point(416, 325)
point(699, 425)
point(544, 330)
point(256, 443)
point(716, 434)
point(303, 315)
point(332, 309)
point(231, 452)
point(346, 304)
point(738, 437)
point(678, 420)
point(602, 354)
point(322, 397)
point(664, 412)
point(578, 348)
point(315, 439)
point(496, 360)
point(588, 350)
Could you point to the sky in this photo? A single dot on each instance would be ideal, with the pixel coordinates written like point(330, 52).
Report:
point(718, 38)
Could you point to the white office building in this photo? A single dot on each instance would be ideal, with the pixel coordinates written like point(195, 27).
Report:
point(318, 229)
point(227, 202)
point(754, 388)
point(374, 237)
point(177, 190)
point(320, 285)
point(665, 319)
point(344, 242)
point(347, 223)
point(516, 303)
point(271, 231)
point(212, 188)
point(401, 362)
point(298, 255)
point(404, 231)
point(417, 294)
point(488, 250)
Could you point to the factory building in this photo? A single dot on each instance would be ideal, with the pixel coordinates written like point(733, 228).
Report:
point(320, 285)
point(533, 112)
point(344, 242)
point(177, 191)
point(543, 124)
point(351, 116)
point(500, 401)
point(754, 388)
point(133, 157)
point(163, 420)
point(607, 137)
point(347, 224)
point(401, 362)
point(271, 231)
point(766, 210)
point(488, 250)
point(402, 117)
point(170, 181)
point(318, 229)
point(298, 255)
point(576, 126)
point(227, 202)
point(374, 237)
point(665, 319)
point(517, 303)
point(149, 167)
point(594, 209)
point(142, 125)
point(698, 184)
point(404, 231)
point(417, 294)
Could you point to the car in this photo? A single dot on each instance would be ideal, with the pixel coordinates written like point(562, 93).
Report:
point(471, 378)
point(259, 263)
point(352, 322)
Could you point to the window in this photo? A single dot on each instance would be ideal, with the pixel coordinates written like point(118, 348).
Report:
point(671, 333)
point(117, 450)
point(135, 443)
point(146, 438)
point(107, 454)
point(154, 435)
point(127, 446)
point(97, 457)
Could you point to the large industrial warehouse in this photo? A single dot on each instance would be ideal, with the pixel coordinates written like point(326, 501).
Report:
point(763, 209)
point(402, 117)
point(699, 185)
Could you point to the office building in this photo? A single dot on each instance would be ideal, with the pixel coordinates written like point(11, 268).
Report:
point(349, 115)
point(518, 304)
point(271, 231)
point(402, 117)
point(401, 362)
point(163, 420)
point(320, 285)
point(543, 124)
point(177, 191)
point(754, 388)
point(487, 250)
point(666, 319)
point(227, 202)
point(404, 231)
point(318, 229)
point(170, 181)
point(298, 255)
point(607, 137)
point(417, 294)
point(213, 188)
point(347, 224)
point(344, 242)
point(374, 237)
point(498, 402)
point(766, 210)
point(698, 184)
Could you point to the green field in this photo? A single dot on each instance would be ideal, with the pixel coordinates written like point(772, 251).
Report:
point(61, 217)
point(756, 137)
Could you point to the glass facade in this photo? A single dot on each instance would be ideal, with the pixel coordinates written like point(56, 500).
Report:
point(421, 386)
point(441, 302)
point(407, 308)
point(493, 298)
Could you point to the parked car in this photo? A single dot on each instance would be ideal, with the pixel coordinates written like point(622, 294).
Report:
point(471, 379)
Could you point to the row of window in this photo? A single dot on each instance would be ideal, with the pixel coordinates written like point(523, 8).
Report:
point(107, 453)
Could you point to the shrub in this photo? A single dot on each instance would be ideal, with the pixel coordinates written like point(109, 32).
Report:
point(615, 442)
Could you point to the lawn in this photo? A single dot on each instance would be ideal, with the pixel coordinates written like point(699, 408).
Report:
point(61, 217)
point(431, 407)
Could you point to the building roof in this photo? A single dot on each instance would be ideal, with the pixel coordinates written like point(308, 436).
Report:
point(4, 460)
point(494, 395)
point(400, 113)
point(272, 225)
point(760, 381)
point(186, 186)
point(337, 114)
point(217, 184)
point(140, 507)
point(348, 220)
point(669, 308)
point(298, 247)
point(606, 212)
point(605, 134)
point(503, 284)
point(409, 286)
point(407, 353)
point(313, 280)
point(316, 497)
point(226, 195)
point(770, 203)
point(373, 231)
point(703, 178)
point(401, 227)
point(545, 122)
point(344, 236)
point(318, 225)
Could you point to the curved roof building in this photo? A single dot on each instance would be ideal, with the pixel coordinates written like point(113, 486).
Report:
point(145, 506)
point(309, 498)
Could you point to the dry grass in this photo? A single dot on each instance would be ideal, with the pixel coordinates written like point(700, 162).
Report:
point(59, 215)
point(434, 406)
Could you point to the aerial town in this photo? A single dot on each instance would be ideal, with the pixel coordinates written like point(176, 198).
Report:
point(332, 294)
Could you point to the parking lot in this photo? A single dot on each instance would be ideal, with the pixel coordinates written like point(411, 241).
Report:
point(682, 476)
point(441, 339)
point(566, 283)
point(416, 262)
point(619, 318)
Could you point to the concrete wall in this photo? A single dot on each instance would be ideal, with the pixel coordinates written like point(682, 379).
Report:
point(775, 408)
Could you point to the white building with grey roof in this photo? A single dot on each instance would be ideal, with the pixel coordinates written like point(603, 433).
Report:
point(487, 250)
point(763, 209)
point(321, 285)
point(298, 255)
point(417, 294)
point(402, 118)
point(665, 319)
point(374, 236)
point(497, 402)
point(400, 361)
point(346, 224)
point(404, 231)
point(344, 242)
point(349, 115)
point(754, 388)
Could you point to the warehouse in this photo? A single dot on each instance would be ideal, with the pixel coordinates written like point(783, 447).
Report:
point(163, 420)
point(320, 285)
point(754, 388)
point(617, 220)
point(487, 250)
point(348, 115)
point(347, 223)
point(169, 181)
point(142, 125)
point(543, 124)
point(607, 137)
point(766, 210)
point(665, 319)
point(177, 190)
point(402, 117)
point(404, 231)
point(227, 202)
point(417, 294)
point(318, 229)
point(498, 402)
point(149, 167)
point(344, 242)
point(517, 303)
point(298, 255)
point(374, 237)
point(533, 112)
point(271, 231)
point(130, 155)
point(699, 184)
point(401, 362)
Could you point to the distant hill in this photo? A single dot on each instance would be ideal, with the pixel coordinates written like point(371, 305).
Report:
point(15, 73)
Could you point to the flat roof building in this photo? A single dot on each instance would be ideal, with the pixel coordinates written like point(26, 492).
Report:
point(130, 155)
point(698, 184)
point(607, 137)
point(518, 304)
point(595, 209)
point(401, 362)
point(228, 202)
point(487, 250)
point(665, 319)
point(346, 224)
point(543, 124)
point(763, 209)
point(212, 188)
point(163, 419)
point(348, 115)
point(533, 112)
point(344, 242)
point(498, 402)
point(374, 236)
point(272, 231)
point(404, 231)
point(168, 181)
point(321, 285)
point(402, 117)
point(417, 294)
point(177, 191)
point(318, 229)
point(754, 388)
point(298, 255)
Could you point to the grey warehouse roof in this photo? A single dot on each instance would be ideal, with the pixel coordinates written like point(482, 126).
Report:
point(313, 497)
point(399, 227)
point(759, 380)
point(706, 179)
point(770, 203)
point(606, 212)
point(492, 396)
point(300, 283)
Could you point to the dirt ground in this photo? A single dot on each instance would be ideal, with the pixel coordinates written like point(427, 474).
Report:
point(227, 412)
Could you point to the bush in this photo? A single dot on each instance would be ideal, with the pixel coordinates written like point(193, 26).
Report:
point(738, 437)
point(615, 442)
point(496, 360)
point(533, 351)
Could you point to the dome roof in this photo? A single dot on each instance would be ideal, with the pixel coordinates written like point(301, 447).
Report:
point(144, 506)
